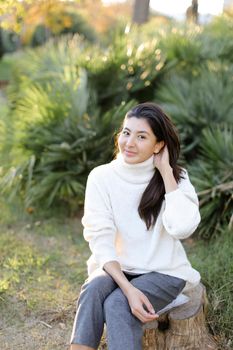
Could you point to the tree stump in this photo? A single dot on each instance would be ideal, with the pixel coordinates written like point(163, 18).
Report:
point(181, 328)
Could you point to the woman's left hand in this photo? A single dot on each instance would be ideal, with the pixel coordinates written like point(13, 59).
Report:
point(161, 160)
point(137, 300)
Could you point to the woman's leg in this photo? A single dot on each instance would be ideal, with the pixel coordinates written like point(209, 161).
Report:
point(124, 330)
point(89, 320)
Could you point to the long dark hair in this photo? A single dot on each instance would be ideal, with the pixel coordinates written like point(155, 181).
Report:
point(164, 130)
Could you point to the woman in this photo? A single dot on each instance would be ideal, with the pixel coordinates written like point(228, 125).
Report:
point(137, 208)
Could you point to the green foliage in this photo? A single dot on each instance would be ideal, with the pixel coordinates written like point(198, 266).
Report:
point(182, 47)
point(217, 38)
point(197, 93)
point(196, 104)
point(61, 161)
point(36, 21)
point(214, 261)
point(128, 68)
point(67, 136)
point(3, 112)
point(40, 36)
point(9, 41)
point(46, 142)
point(212, 174)
point(45, 64)
point(77, 25)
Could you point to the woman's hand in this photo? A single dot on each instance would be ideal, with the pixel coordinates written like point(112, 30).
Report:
point(137, 300)
point(161, 160)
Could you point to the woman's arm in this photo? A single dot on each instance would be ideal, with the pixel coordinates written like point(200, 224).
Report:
point(99, 227)
point(136, 298)
point(113, 268)
point(181, 215)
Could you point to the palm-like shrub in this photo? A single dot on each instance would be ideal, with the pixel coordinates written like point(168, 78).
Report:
point(39, 114)
point(61, 132)
point(217, 40)
point(183, 49)
point(45, 64)
point(66, 138)
point(212, 174)
point(129, 68)
point(197, 103)
point(188, 49)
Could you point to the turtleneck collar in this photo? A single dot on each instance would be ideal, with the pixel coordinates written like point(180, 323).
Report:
point(139, 173)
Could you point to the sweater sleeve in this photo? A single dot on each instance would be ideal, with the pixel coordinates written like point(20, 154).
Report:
point(181, 215)
point(99, 228)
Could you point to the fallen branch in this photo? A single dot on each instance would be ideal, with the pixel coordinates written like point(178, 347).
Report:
point(222, 188)
point(45, 324)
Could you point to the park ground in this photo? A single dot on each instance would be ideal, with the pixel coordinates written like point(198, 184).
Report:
point(43, 264)
point(42, 268)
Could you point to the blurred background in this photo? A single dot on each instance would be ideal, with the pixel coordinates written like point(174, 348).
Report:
point(69, 71)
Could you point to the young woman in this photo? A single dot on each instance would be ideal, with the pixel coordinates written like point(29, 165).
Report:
point(137, 208)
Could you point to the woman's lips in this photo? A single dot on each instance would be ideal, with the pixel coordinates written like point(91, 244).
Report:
point(130, 153)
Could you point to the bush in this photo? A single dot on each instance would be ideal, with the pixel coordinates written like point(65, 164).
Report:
point(68, 134)
point(212, 175)
point(196, 104)
point(61, 161)
point(41, 35)
point(128, 68)
point(9, 41)
point(77, 25)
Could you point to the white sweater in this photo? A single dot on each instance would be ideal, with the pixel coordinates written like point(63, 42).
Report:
point(115, 231)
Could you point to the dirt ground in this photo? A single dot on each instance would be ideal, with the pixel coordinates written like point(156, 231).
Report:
point(44, 266)
point(34, 335)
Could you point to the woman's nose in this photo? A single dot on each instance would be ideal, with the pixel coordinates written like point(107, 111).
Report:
point(130, 141)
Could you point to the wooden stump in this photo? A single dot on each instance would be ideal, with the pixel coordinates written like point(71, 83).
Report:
point(183, 328)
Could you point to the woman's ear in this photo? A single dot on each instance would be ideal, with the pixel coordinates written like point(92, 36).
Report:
point(159, 145)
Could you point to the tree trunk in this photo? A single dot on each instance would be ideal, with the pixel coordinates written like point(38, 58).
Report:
point(141, 11)
point(183, 328)
point(192, 12)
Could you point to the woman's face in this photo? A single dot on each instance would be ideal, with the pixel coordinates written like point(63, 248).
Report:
point(137, 141)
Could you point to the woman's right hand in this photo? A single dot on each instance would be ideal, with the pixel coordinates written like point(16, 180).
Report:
point(136, 301)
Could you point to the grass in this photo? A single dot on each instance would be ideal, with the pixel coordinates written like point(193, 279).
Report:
point(43, 266)
point(214, 261)
point(42, 269)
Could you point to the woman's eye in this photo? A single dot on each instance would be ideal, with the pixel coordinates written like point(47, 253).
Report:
point(126, 133)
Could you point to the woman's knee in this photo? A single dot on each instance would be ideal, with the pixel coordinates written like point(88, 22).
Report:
point(115, 301)
point(96, 284)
